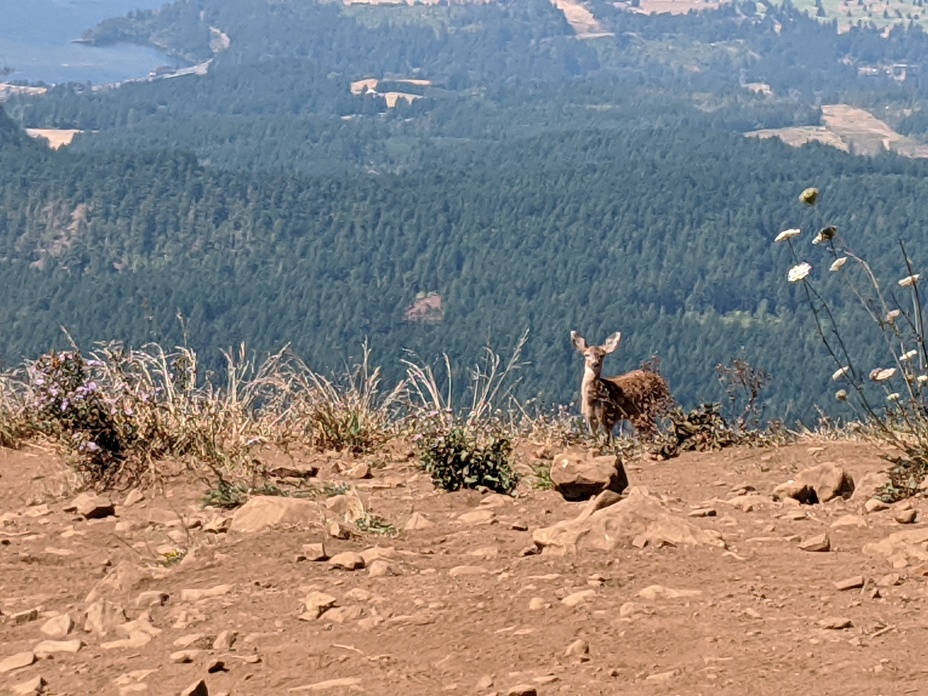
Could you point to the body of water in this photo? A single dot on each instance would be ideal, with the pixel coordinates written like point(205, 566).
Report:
point(36, 42)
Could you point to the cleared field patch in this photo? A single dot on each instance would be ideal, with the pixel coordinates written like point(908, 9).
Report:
point(676, 7)
point(584, 24)
point(56, 137)
point(850, 129)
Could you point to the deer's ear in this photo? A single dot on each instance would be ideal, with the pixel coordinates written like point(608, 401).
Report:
point(578, 341)
point(612, 342)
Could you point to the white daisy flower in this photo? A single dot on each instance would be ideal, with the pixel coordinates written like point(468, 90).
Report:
point(840, 373)
point(881, 375)
point(838, 264)
point(799, 272)
point(787, 234)
point(908, 281)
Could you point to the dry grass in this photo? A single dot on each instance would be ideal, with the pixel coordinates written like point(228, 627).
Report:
point(56, 137)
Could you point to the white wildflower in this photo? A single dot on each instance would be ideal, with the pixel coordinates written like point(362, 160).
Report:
point(787, 234)
point(841, 395)
point(838, 264)
point(908, 355)
point(892, 315)
point(908, 281)
point(893, 397)
point(840, 373)
point(881, 375)
point(799, 272)
point(921, 379)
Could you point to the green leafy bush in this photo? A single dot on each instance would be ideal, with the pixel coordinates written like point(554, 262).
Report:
point(460, 456)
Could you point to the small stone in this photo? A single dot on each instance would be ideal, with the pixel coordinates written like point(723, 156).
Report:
point(579, 648)
point(703, 512)
point(519, 526)
point(890, 580)
point(338, 530)
point(476, 517)
point(134, 497)
point(216, 666)
point(835, 623)
point(381, 568)
point(347, 560)
point(661, 677)
point(91, 506)
point(193, 640)
point(631, 609)
point(875, 505)
point(577, 598)
point(315, 552)
point(198, 688)
point(182, 657)
point(817, 543)
point(417, 521)
point(851, 583)
point(315, 605)
point(458, 571)
point(50, 647)
point(152, 598)
point(537, 603)
point(194, 595)
point(362, 470)
point(17, 661)
point(22, 617)
point(32, 687)
point(522, 690)
point(218, 524)
point(225, 640)
point(905, 516)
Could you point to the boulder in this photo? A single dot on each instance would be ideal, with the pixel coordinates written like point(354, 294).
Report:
point(818, 484)
point(578, 476)
point(638, 520)
point(264, 511)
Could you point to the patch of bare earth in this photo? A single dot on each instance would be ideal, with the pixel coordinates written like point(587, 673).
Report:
point(581, 20)
point(850, 129)
point(671, 6)
point(56, 137)
point(160, 593)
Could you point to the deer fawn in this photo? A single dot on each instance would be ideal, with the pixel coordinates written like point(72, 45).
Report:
point(639, 396)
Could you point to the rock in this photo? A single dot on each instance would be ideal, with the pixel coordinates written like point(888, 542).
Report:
point(91, 506)
point(315, 552)
point(905, 516)
point(182, 657)
point(17, 661)
point(341, 615)
point(577, 598)
point(748, 502)
point(345, 683)
point(835, 623)
point(195, 595)
point(417, 521)
point(348, 506)
point(225, 640)
point(32, 687)
point(193, 640)
point(117, 583)
point(868, 485)
point(577, 476)
point(639, 516)
point(102, 616)
point(654, 592)
point(851, 583)
point(22, 617)
point(198, 688)
point(459, 571)
point(265, 511)
point(579, 648)
point(476, 517)
point(818, 484)
point(890, 580)
point(849, 520)
point(875, 505)
point(45, 648)
point(380, 568)
point(703, 512)
point(361, 470)
point(900, 545)
point(216, 666)
point(315, 604)
point(537, 603)
point(522, 690)
point(347, 560)
point(631, 609)
point(218, 524)
point(817, 543)
point(134, 497)
point(378, 553)
point(338, 531)
point(152, 598)
point(57, 627)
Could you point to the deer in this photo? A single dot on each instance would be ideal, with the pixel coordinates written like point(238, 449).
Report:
point(639, 396)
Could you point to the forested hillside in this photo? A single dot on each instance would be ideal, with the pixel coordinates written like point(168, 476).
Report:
point(537, 181)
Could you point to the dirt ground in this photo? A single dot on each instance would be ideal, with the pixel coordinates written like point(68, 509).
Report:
point(454, 602)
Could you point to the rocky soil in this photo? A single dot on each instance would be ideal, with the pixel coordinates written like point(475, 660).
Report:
point(700, 580)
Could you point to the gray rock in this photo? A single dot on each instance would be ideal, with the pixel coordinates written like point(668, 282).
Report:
point(577, 476)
